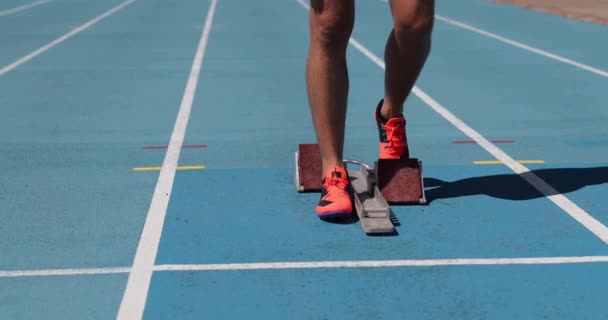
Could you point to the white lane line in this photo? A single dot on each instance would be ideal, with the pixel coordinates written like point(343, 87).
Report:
point(378, 263)
point(526, 47)
point(312, 265)
point(61, 272)
point(23, 7)
point(520, 45)
point(134, 298)
point(63, 38)
point(304, 4)
point(580, 215)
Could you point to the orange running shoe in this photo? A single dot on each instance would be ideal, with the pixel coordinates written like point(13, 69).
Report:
point(336, 200)
point(393, 141)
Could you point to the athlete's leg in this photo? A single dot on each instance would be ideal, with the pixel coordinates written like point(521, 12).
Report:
point(406, 51)
point(331, 24)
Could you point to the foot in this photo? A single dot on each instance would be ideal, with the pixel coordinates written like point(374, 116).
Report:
point(393, 141)
point(336, 200)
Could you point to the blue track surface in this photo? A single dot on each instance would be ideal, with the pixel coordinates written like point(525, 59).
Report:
point(77, 117)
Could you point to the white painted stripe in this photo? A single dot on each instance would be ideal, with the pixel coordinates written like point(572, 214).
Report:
point(63, 38)
point(378, 263)
point(520, 45)
point(136, 292)
point(23, 7)
point(61, 272)
point(304, 4)
point(580, 215)
point(524, 46)
point(310, 265)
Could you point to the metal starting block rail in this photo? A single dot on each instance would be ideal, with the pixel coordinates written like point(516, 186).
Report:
point(373, 210)
point(388, 181)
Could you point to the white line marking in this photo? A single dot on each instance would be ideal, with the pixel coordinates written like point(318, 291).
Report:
point(520, 45)
point(134, 299)
point(524, 46)
point(310, 265)
point(304, 4)
point(580, 215)
point(61, 272)
point(23, 7)
point(378, 263)
point(63, 38)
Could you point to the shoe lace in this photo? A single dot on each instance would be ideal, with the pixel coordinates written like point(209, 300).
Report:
point(331, 182)
point(396, 139)
point(333, 186)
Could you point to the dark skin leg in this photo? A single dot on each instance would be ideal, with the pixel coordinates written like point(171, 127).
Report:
point(407, 48)
point(331, 24)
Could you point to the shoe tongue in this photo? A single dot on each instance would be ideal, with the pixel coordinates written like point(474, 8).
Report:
point(337, 173)
point(393, 122)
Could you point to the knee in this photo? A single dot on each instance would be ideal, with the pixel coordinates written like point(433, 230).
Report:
point(416, 19)
point(331, 30)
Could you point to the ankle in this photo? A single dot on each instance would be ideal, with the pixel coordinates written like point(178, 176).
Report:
point(389, 111)
point(332, 165)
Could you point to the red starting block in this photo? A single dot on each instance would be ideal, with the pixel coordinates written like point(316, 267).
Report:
point(309, 168)
point(399, 181)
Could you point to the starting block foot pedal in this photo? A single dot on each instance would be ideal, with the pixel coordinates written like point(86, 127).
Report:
point(373, 211)
point(308, 168)
point(389, 181)
point(400, 181)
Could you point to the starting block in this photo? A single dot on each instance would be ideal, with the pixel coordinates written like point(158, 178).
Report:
point(388, 181)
